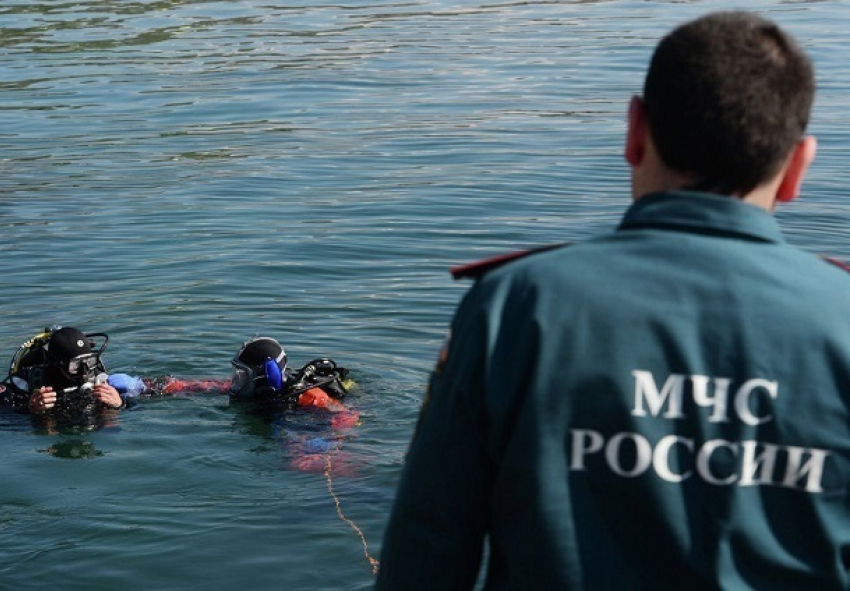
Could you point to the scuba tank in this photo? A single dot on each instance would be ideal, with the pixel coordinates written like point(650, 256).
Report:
point(286, 388)
point(26, 370)
point(321, 373)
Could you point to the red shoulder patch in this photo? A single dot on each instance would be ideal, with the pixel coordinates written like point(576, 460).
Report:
point(840, 264)
point(479, 268)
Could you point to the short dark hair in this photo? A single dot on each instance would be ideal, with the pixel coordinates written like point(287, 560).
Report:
point(727, 97)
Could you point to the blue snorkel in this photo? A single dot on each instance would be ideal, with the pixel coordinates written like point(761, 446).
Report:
point(274, 376)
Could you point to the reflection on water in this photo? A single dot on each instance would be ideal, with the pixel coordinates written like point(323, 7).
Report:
point(63, 421)
point(308, 439)
point(74, 450)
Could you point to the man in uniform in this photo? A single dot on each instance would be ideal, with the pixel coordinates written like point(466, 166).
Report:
point(664, 407)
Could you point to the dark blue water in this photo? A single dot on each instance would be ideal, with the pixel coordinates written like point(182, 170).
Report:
point(184, 175)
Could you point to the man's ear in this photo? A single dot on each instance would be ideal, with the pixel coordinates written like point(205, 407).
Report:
point(795, 170)
point(636, 132)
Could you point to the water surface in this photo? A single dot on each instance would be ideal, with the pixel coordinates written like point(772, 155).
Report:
point(186, 174)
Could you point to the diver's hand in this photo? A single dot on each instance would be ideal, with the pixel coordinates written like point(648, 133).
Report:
point(107, 396)
point(42, 400)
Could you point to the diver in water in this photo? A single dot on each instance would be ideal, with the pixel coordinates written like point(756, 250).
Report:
point(261, 374)
point(60, 373)
point(262, 377)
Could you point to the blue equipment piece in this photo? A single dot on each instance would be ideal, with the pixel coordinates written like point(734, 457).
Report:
point(128, 386)
point(273, 374)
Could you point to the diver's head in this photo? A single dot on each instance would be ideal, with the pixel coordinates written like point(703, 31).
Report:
point(70, 359)
point(259, 368)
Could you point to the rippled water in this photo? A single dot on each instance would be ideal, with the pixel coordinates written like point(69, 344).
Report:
point(184, 175)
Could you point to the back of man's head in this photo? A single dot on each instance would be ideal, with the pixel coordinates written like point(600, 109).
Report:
point(727, 98)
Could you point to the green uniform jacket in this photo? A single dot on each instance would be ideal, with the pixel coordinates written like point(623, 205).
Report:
point(664, 407)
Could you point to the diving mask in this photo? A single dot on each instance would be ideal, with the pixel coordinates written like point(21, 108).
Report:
point(81, 366)
point(247, 380)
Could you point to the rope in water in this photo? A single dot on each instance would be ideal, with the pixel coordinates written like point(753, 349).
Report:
point(372, 561)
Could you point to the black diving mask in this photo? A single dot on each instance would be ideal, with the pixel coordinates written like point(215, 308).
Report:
point(247, 380)
point(81, 367)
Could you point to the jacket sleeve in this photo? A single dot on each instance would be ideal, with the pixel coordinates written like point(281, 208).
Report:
point(436, 530)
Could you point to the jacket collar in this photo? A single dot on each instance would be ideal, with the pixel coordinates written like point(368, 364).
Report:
point(702, 213)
